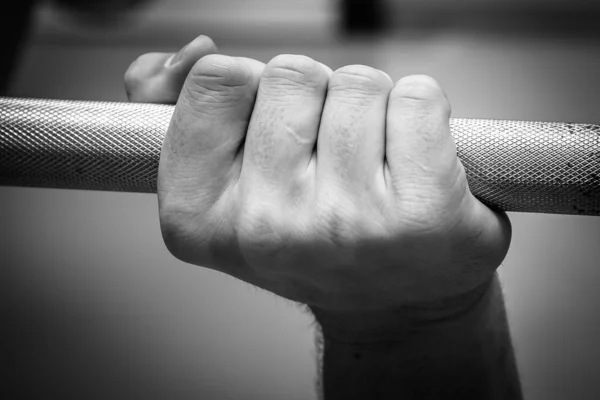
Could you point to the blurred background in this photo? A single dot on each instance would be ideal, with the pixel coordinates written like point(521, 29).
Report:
point(94, 306)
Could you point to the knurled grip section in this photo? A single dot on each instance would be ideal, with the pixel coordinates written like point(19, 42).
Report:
point(540, 167)
point(81, 145)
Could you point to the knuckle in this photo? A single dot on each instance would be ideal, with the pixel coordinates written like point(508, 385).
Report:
point(361, 79)
point(218, 72)
point(216, 82)
point(259, 232)
point(420, 91)
point(297, 71)
point(339, 223)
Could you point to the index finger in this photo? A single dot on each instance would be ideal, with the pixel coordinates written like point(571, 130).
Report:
point(201, 150)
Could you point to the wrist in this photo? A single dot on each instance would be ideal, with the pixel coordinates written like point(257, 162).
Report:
point(396, 324)
point(462, 354)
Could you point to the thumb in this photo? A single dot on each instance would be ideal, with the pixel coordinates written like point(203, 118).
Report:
point(159, 77)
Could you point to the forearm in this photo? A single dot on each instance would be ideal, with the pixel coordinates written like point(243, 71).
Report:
point(467, 356)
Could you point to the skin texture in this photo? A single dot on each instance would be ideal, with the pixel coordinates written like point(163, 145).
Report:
point(467, 356)
point(340, 190)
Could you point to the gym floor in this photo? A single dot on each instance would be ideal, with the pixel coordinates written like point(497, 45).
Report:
point(103, 310)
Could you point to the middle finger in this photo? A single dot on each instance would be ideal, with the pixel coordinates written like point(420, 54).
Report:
point(351, 145)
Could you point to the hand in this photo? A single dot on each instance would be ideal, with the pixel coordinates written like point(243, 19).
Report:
point(336, 189)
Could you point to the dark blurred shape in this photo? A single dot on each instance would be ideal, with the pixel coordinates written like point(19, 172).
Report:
point(560, 18)
point(14, 25)
point(361, 17)
point(103, 6)
point(15, 22)
point(101, 12)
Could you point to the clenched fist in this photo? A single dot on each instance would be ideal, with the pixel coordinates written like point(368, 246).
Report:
point(341, 190)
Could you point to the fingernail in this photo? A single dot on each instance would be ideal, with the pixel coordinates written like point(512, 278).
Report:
point(176, 58)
